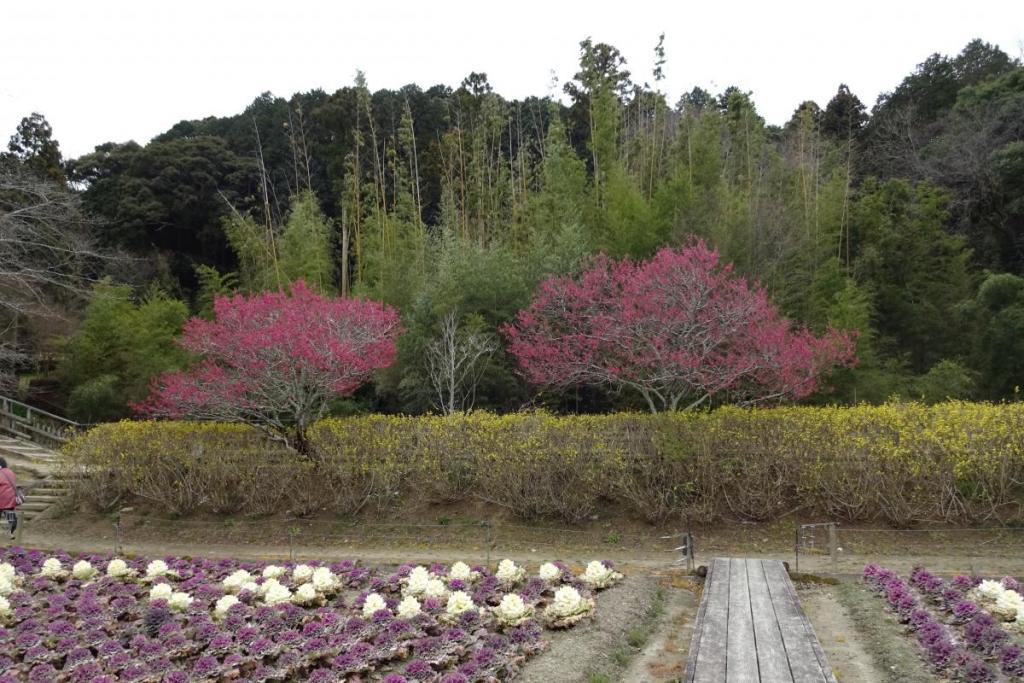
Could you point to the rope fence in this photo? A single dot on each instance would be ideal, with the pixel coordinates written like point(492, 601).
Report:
point(299, 537)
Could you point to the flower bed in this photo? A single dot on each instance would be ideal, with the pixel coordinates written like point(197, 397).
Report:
point(94, 619)
point(967, 639)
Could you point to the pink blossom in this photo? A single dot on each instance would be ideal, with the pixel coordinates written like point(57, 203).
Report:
point(680, 329)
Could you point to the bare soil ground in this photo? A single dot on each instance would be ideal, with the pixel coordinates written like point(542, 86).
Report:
point(663, 657)
point(598, 646)
point(863, 641)
point(440, 533)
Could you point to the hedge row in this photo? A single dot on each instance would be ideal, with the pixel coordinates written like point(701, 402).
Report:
point(898, 463)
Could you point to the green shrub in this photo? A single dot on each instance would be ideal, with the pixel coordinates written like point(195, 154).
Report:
point(899, 463)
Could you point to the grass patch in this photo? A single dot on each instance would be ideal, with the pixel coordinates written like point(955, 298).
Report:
point(813, 579)
point(883, 637)
point(636, 638)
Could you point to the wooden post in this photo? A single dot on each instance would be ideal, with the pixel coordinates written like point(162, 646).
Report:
point(796, 548)
point(20, 529)
point(833, 545)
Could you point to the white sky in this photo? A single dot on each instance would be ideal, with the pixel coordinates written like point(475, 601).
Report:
point(104, 70)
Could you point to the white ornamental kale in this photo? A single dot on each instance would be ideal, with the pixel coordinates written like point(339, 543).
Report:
point(302, 573)
point(373, 604)
point(234, 581)
point(567, 608)
point(118, 568)
point(306, 595)
point(157, 568)
point(273, 571)
point(220, 610)
point(179, 601)
point(598, 575)
point(6, 587)
point(409, 607)
point(509, 572)
point(53, 569)
point(549, 572)
point(1008, 605)
point(435, 588)
point(83, 570)
point(989, 591)
point(512, 610)
point(567, 600)
point(462, 572)
point(416, 583)
point(458, 602)
point(323, 581)
point(276, 592)
point(5, 608)
point(161, 591)
point(7, 571)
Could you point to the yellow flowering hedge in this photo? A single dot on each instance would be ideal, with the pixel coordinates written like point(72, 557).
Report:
point(901, 463)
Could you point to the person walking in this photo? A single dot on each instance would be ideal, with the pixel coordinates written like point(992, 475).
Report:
point(8, 497)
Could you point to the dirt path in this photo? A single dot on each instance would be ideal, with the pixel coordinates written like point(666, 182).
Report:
point(850, 660)
point(862, 640)
point(597, 649)
point(663, 658)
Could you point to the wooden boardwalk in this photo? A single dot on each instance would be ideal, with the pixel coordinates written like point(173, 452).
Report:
point(750, 628)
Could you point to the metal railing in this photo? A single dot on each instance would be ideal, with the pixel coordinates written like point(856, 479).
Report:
point(35, 425)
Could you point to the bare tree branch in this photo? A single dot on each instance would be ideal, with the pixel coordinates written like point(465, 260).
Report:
point(455, 363)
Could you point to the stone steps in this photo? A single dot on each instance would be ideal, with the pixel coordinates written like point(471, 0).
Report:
point(35, 467)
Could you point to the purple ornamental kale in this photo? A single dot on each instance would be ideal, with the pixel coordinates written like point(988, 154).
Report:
point(85, 672)
point(321, 676)
point(42, 673)
point(176, 676)
point(205, 666)
point(134, 672)
point(1011, 660)
point(314, 645)
point(964, 611)
point(965, 583)
point(261, 646)
point(418, 670)
point(62, 627)
point(974, 670)
point(36, 654)
point(119, 660)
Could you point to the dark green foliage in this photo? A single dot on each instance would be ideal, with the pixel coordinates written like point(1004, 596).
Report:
point(916, 272)
point(997, 317)
point(119, 347)
point(34, 147)
point(169, 196)
point(457, 199)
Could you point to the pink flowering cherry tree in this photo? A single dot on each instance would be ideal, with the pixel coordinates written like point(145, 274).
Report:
point(680, 329)
point(276, 360)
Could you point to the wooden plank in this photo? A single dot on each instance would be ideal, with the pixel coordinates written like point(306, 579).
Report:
point(772, 662)
point(698, 628)
point(711, 655)
point(804, 661)
point(741, 651)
